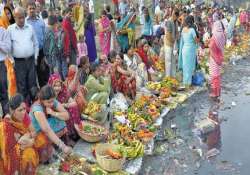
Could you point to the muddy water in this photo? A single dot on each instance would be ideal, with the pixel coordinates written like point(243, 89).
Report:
point(231, 138)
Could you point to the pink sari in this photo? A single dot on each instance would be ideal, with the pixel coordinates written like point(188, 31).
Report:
point(216, 47)
point(105, 37)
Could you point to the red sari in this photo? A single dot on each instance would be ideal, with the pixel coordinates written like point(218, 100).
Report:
point(121, 83)
point(75, 88)
point(63, 97)
point(216, 48)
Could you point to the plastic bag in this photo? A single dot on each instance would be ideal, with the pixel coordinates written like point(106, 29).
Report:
point(198, 79)
point(118, 103)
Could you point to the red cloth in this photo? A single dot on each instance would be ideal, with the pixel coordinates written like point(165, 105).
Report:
point(216, 52)
point(70, 39)
point(115, 1)
point(144, 57)
point(121, 84)
point(26, 120)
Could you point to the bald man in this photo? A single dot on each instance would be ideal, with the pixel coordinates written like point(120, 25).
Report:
point(25, 50)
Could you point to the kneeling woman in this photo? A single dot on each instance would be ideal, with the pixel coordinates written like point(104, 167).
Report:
point(21, 148)
point(48, 116)
point(64, 97)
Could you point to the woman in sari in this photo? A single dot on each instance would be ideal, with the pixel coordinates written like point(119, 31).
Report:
point(123, 80)
point(6, 18)
point(187, 54)
point(147, 29)
point(48, 116)
point(216, 47)
point(135, 64)
point(89, 32)
point(104, 33)
point(76, 90)
point(126, 32)
point(21, 148)
point(64, 97)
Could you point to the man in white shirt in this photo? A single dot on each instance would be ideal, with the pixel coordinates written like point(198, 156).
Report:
point(25, 50)
point(5, 47)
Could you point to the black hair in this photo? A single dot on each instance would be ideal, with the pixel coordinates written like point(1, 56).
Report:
point(44, 14)
point(60, 19)
point(189, 21)
point(67, 10)
point(94, 67)
point(46, 93)
point(111, 54)
point(108, 8)
point(52, 20)
point(88, 20)
point(12, 20)
point(34, 91)
point(121, 55)
point(84, 60)
point(15, 101)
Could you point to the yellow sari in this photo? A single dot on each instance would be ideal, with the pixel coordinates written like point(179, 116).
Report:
point(14, 159)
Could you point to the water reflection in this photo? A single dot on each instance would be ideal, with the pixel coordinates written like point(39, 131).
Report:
point(213, 138)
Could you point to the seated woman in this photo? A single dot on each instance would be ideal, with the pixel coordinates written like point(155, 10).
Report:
point(123, 80)
point(63, 96)
point(20, 147)
point(98, 88)
point(48, 116)
point(135, 64)
point(105, 65)
point(77, 91)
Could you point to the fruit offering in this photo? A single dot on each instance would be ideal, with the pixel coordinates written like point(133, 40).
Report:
point(92, 108)
point(113, 154)
point(134, 150)
point(92, 129)
point(170, 82)
point(155, 86)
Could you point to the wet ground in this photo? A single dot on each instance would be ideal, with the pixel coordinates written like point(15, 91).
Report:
point(187, 153)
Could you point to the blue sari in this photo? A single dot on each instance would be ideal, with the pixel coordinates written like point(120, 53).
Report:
point(123, 38)
point(231, 26)
point(187, 55)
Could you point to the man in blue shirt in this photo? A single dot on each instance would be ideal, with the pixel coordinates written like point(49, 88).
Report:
point(39, 28)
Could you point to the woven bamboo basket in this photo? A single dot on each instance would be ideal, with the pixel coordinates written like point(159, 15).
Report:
point(107, 163)
point(89, 137)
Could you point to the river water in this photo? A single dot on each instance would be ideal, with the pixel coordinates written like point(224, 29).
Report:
point(186, 154)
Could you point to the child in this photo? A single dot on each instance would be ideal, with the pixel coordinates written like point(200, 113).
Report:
point(82, 48)
point(84, 69)
point(50, 46)
point(62, 63)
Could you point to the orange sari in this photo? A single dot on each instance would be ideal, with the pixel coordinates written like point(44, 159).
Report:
point(13, 159)
point(4, 21)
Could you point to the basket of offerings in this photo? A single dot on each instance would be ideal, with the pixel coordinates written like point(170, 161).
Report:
point(109, 157)
point(95, 112)
point(91, 131)
point(73, 164)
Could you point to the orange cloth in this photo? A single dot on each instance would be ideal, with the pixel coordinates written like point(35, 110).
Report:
point(14, 159)
point(4, 21)
point(11, 77)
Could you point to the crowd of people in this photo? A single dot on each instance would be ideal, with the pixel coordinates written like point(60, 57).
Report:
point(51, 64)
